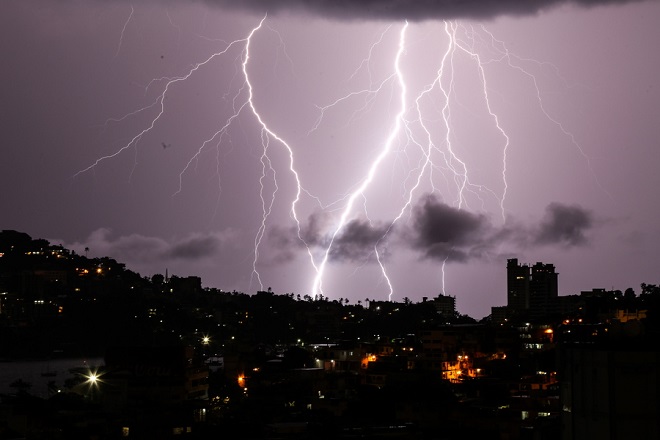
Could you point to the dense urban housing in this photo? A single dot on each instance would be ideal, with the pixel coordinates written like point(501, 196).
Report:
point(175, 359)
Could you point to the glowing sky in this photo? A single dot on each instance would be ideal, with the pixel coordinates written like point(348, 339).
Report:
point(553, 159)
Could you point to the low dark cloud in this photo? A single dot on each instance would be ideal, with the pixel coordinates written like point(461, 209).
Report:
point(283, 246)
point(414, 10)
point(288, 240)
point(195, 248)
point(311, 233)
point(447, 233)
point(442, 232)
point(132, 247)
point(137, 248)
point(437, 231)
point(566, 225)
point(357, 241)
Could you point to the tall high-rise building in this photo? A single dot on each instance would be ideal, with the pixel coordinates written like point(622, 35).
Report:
point(543, 290)
point(517, 283)
point(531, 290)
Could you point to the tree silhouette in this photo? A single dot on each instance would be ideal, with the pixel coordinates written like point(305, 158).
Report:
point(21, 386)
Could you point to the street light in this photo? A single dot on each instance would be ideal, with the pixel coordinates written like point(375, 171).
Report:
point(93, 378)
point(93, 382)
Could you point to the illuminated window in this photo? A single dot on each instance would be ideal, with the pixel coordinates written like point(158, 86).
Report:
point(125, 431)
point(200, 415)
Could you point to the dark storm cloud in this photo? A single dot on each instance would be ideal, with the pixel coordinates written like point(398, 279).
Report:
point(290, 239)
point(101, 242)
point(283, 246)
point(404, 9)
point(443, 232)
point(565, 225)
point(136, 248)
point(357, 241)
point(311, 233)
point(195, 248)
point(437, 231)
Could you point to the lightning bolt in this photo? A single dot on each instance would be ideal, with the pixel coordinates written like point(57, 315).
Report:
point(507, 56)
point(317, 287)
point(267, 133)
point(451, 161)
point(123, 30)
point(159, 103)
point(442, 274)
point(412, 133)
point(248, 102)
point(454, 41)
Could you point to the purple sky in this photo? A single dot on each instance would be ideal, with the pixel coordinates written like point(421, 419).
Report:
point(554, 159)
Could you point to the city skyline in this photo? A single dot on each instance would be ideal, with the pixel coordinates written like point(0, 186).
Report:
point(551, 160)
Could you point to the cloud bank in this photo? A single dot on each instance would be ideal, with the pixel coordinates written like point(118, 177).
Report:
point(437, 231)
point(414, 10)
point(137, 248)
point(442, 232)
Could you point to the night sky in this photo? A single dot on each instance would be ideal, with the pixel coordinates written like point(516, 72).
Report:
point(413, 159)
